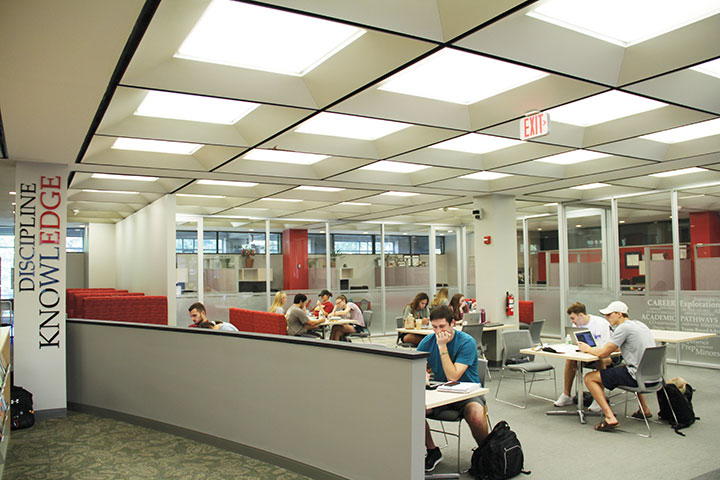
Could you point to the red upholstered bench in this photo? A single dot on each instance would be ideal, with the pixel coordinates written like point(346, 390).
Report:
point(258, 322)
point(138, 309)
point(71, 293)
point(82, 297)
point(526, 311)
point(244, 320)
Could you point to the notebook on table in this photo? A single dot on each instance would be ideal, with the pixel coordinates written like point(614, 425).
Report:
point(458, 387)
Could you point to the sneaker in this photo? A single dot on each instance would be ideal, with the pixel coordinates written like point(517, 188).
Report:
point(595, 407)
point(563, 400)
point(432, 458)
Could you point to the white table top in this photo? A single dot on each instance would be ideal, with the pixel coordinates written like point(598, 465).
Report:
point(674, 336)
point(433, 398)
point(339, 321)
point(566, 353)
point(428, 331)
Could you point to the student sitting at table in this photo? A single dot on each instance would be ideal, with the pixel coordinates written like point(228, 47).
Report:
point(418, 308)
point(600, 329)
point(459, 307)
point(453, 356)
point(197, 314)
point(632, 338)
point(278, 305)
point(323, 304)
point(440, 299)
point(222, 326)
point(298, 322)
point(348, 310)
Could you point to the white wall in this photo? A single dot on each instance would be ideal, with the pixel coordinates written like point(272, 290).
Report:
point(145, 252)
point(101, 255)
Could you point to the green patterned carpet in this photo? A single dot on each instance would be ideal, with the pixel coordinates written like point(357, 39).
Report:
point(84, 446)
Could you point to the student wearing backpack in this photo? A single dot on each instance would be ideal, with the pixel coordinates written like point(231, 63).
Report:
point(631, 338)
point(453, 356)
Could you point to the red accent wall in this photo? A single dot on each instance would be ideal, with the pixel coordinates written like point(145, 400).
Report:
point(704, 228)
point(542, 267)
point(295, 259)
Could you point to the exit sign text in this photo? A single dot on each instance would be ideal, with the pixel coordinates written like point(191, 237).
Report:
point(535, 125)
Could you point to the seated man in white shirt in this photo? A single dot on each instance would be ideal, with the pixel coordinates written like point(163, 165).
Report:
point(600, 329)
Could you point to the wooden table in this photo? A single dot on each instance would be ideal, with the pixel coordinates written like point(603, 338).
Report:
point(331, 322)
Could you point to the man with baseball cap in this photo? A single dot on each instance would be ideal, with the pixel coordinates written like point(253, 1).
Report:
point(631, 338)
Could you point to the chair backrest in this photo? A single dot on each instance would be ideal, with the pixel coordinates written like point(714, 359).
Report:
point(649, 373)
point(400, 321)
point(535, 329)
point(513, 342)
point(367, 317)
point(482, 370)
point(475, 330)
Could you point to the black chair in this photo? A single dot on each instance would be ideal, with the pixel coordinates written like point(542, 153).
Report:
point(475, 330)
point(365, 333)
point(400, 321)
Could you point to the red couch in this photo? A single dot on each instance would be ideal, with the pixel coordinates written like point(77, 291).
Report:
point(137, 309)
point(258, 322)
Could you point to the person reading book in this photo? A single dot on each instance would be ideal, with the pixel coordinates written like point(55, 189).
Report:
point(453, 357)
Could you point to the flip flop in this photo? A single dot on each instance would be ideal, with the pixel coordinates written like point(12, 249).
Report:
point(639, 415)
point(606, 427)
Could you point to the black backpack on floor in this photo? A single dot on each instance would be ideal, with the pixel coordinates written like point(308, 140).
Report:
point(680, 403)
point(499, 457)
point(22, 414)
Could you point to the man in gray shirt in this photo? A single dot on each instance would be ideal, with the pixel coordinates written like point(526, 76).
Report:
point(631, 338)
point(298, 322)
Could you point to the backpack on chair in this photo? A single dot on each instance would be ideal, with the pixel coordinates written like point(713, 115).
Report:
point(499, 457)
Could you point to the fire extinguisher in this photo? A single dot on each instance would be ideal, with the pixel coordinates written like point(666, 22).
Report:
point(509, 304)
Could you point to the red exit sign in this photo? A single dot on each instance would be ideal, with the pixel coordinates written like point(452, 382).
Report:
point(535, 125)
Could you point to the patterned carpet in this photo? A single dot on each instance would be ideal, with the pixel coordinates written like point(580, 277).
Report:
point(87, 447)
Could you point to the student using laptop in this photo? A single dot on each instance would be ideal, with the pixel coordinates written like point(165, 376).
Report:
point(600, 329)
point(631, 338)
point(453, 356)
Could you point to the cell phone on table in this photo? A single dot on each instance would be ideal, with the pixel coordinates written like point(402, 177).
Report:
point(450, 384)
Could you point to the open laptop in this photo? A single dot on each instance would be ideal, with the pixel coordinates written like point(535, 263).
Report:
point(571, 331)
point(585, 336)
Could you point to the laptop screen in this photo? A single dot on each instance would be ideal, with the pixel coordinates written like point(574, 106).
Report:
point(585, 336)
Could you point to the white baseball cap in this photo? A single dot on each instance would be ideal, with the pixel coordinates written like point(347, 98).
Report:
point(615, 306)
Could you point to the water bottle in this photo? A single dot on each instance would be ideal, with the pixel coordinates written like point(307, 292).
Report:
point(568, 341)
point(482, 315)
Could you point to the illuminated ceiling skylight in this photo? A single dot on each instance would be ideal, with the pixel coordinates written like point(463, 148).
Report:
point(569, 158)
point(476, 143)
point(459, 77)
point(121, 192)
point(282, 156)
point(602, 108)
point(310, 188)
point(688, 132)
point(227, 183)
point(260, 38)
point(486, 175)
point(350, 126)
point(621, 22)
point(683, 171)
point(135, 178)
point(394, 167)
point(709, 68)
point(194, 108)
point(155, 146)
point(590, 186)
point(399, 194)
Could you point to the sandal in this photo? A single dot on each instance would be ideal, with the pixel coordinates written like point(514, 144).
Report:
point(606, 427)
point(639, 415)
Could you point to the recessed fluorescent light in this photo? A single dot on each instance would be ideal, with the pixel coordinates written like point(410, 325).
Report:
point(539, 229)
point(227, 183)
point(486, 175)
point(590, 186)
point(399, 194)
point(688, 132)
point(683, 171)
point(293, 200)
point(459, 77)
point(554, 204)
point(350, 126)
point(194, 108)
point(134, 178)
point(709, 68)
point(447, 209)
point(476, 143)
point(691, 196)
point(365, 233)
point(260, 38)
point(356, 204)
point(197, 195)
point(281, 156)
point(602, 108)
point(578, 226)
point(569, 158)
point(155, 146)
point(251, 229)
point(621, 221)
point(12, 193)
point(319, 189)
point(122, 192)
point(405, 233)
point(394, 167)
point(621, 22)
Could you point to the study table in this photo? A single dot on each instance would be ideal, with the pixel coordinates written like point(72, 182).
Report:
point(332, 321)
point(428, 331)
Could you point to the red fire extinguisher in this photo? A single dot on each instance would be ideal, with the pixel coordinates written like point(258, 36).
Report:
point(509, 304)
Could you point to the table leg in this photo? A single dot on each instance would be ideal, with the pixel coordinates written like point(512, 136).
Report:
point(580, 391)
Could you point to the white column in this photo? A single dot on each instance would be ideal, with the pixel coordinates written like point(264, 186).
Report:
point(676, 264)
point(382, 275)
point(614, 250)
point(526, 259)
point(459, 258)
point(200, 266)
point(563, 270)
point(268, 278)
point(464, 257)
point(328, 268)
point(432, 261)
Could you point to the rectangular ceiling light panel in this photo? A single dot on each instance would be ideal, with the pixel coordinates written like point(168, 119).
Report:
point(394, 167)
point(197, 195)
point(711, 68)
point(686, 133)
point(227, 183)
point(194, 108)
point(260, 38)
point(590, 186)
point(476, 143)
point(459, 77)
point(356, 204)
point(623, 22)
point(134, 178)
point(602, 108)
point(569, 158)
point(310, 188)
point(399, 194)
point(486, 175)
point(683, 171)
point(282, 156)
point(120, 192)
point(155, 146)
point(350, 126)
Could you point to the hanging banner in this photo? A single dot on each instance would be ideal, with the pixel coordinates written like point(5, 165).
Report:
point(40, 230)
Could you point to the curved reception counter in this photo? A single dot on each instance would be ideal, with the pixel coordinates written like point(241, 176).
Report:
point(324, 409)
